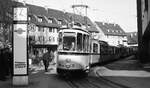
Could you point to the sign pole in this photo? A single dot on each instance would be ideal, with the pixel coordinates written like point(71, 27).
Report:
point(20, 40)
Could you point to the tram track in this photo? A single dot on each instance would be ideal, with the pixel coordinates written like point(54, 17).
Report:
point(109, 82)
point(81, 83)
point(93, 82)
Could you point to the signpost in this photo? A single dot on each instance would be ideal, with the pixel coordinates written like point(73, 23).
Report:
point(20, 55)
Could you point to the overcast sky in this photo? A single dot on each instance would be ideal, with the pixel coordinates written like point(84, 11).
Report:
point(122, 12)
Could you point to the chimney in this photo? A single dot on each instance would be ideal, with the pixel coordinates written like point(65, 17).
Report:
point(24, 2)
point(46, 8)
point(103, 23)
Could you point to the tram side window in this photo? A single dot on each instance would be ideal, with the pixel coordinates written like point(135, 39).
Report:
point(88, 44)
point(95, 48)
point(84, 43)
point(79, 42)
point(103, 49)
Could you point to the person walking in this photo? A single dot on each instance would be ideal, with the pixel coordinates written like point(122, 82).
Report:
point(47, 58)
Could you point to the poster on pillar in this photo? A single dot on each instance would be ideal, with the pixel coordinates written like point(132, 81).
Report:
point(20, 49)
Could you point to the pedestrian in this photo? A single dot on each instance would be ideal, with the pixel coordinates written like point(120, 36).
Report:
point(47, 58)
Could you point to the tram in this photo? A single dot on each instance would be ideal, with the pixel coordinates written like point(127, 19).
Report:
point(78, 51)
point(73, 50)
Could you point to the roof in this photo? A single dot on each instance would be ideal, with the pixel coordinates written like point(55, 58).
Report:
point(38, 11)
point(132, 37)
point(111, 29)
point(48, 13)
point(82, 20)
point(56, 15)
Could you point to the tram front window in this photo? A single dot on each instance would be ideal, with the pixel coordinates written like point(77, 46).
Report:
point(69, 43)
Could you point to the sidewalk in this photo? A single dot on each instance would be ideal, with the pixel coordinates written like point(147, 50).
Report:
point(36, 68)
point(33, 69)
point(128, 72)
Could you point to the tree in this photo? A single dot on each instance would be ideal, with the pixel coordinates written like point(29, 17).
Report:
point(6, 19)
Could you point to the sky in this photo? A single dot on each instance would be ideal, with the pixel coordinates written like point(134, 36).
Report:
point(122, 12)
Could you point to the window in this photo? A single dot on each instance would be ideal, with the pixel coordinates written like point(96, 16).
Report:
point(95, 48)
point(59, 22)
point(29, 18)
point(41, 38)
point(50, 39)
point(50, 20)
point(84, 42)
point(40, 19)
point(55, 30)
point(53, 39)
point(104, 49)
point(50, 29)
point(79, 42)
point(69, 43)
point(89, 26)
point(31, 39)
point(41, 29)
point(107, 36)
point(108, 30)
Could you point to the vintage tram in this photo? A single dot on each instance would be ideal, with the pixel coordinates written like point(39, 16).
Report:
point(78, 51)
point(73, 50)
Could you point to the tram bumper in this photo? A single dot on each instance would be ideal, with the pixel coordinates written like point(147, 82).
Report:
point(72, 66)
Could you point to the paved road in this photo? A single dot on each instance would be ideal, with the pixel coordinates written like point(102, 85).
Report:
point(118, 74)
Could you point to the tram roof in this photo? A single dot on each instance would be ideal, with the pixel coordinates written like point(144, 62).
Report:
point(75, 29)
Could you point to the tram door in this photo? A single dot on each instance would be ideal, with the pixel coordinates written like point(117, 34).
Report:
point(95, 53)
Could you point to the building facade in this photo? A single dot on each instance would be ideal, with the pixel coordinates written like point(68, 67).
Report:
point(132, 38)
point(111, 33)
point(143, 19)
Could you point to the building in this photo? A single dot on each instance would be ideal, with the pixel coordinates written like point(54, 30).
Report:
point(132, 38)
point(111, 33)
point(44, 24)
point(143, 19)
point(84, 22)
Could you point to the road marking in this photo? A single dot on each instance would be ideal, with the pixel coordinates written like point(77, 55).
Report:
point(103, 71)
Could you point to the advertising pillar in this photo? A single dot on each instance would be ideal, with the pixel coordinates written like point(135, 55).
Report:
point(20, 40)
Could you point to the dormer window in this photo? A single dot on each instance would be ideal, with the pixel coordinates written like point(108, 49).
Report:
point(40, 19)
point(89, 26)
point(50, 20)
point(29, 18)
point(59, 21)
point(108, 30)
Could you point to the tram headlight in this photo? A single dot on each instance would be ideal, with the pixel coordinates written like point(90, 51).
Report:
point(68, 65)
